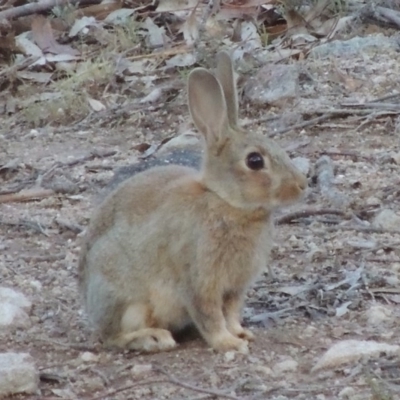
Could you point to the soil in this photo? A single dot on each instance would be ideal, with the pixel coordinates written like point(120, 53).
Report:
point(296, 316)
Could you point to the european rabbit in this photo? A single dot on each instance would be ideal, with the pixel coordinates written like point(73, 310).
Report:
point(173, 246)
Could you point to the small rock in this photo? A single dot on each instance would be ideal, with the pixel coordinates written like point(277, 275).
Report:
point(87, 356)
point(392, 281)
point(36, 285)
point(373, 201)
point(387, 219)
point(139, 369)
point(347, 393)
point(377, 314)
point(285, 366)
point(229, 356)
point(12, 316)
point(302, 164)
point(395, 267)
point(273, 84)
point(263, 369)
point(352, 350)
point(13, 309)
point(18, 374)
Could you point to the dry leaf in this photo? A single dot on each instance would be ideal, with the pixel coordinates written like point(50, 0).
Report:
point(250, 36)
point(27, 47)
point(80, 25)
point(43, 35)
point(152, 97)
point(119, 17)
point(156, 34)
point(96, 105)
point(343, 309)
point(175, 5)
point(182, 60)
point(40, 77)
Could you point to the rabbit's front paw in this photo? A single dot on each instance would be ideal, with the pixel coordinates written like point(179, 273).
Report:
point(229, 342)
point(237, 329)
point(245, 334)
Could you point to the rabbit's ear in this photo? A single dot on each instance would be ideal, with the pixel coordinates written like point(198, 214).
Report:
point(207, 104)
point(226, 76)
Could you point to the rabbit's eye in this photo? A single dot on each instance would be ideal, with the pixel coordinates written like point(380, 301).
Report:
point(255, 161)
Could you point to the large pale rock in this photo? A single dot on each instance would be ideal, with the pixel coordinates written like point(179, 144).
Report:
point(387, 219)
point(377, 314)
point(356, 45)
point(12, 316)
point(18, 374)
point(273, 84)
point(14, 309)
point(8, 295)
point(352, 350)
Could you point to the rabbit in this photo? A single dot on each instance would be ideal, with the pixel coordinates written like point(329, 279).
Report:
point(174, 246)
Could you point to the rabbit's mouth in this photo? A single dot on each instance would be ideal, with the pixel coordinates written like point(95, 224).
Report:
point(290, 192)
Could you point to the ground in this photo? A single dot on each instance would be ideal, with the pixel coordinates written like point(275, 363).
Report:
point(296, 316)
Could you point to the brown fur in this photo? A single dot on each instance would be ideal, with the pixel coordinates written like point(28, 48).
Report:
point(172, 246)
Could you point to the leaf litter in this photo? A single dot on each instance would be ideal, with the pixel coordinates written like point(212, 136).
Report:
point(89, 88)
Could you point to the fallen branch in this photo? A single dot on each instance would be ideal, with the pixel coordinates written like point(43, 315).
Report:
point(27, 195)
point(290, 217)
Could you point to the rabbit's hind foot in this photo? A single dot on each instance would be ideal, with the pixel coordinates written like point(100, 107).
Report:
point(147, 340)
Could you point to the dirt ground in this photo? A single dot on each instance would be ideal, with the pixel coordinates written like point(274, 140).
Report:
point(296, 317)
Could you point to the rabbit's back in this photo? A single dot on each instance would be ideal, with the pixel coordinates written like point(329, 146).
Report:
point(129, 216)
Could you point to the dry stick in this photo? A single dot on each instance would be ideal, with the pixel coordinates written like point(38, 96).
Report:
point(27, 195)
point(301, 125)
point(188, 386)
point(365, 229)
point(166, 53)
point(288, 218)
point(388, 14)
point(43, 5)
point(374, 105)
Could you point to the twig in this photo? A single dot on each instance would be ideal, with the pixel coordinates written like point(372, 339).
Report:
point(69, 225)
point(365, 229)
point(310, 122)
point(26, 195)
point(26, 224)
point(288, 218)
point(177, 382)
point(44, 5)
point(370, 118)
point(43, 258)
point(165, 54)
point(268, 118)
